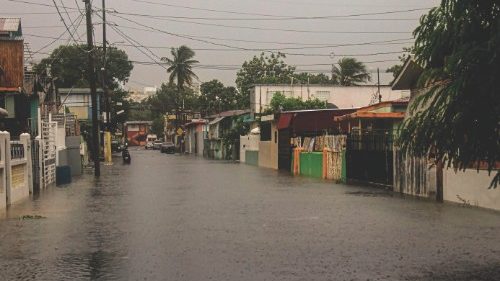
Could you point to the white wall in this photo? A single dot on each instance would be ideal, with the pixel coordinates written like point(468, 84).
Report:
point(343, 97)
point(248, 142)
point(472, 187)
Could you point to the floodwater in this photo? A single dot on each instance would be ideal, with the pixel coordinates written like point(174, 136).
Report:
point(172, 217)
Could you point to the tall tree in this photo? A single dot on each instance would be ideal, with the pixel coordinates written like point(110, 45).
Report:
point(351, 72)
point(181, 66)
point(262, 69)
point(215, 97)
point(69, 64)
point(458, 113)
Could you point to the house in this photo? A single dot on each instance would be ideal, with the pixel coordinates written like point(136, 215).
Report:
point(219, 126)
point(295, 126)
point(137, 132)
point(78, 101)
point(335, 96)
point(370, 132)
point(419, 176)
point(196, 134)
point(13, 96)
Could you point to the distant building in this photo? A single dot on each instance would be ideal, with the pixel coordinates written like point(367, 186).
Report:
point(78, 101)
point(342, 97)
point(136, 96)
point(137, 132)
point(150, 91)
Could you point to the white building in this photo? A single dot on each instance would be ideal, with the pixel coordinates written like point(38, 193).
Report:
point(150, 91)
point(340, 96)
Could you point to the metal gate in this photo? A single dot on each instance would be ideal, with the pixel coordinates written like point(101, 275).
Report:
point(369, 157)
point(49, 152)
point(284, 150)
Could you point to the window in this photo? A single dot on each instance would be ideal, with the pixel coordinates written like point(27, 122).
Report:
point(322, 95)
point(265, 131)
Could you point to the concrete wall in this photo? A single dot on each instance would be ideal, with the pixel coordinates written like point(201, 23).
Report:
point(343, 97)
point(252, 157)
point(268, 154)
point(248, 142)
point(18, 170)
point(471, 187)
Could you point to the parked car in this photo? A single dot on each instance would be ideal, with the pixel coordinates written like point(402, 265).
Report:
point(157, 145)
point(167, 147)
point(150, 140)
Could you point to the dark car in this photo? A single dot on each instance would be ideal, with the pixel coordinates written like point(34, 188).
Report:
point(167, 147)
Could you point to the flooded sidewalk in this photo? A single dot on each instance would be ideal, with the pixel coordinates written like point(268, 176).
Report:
point(172, 217)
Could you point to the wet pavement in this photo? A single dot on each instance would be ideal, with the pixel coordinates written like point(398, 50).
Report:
point(171, 217)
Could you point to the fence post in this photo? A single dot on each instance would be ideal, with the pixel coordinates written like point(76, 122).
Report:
point(8, 168)
point(28, 175)
point(3, 176)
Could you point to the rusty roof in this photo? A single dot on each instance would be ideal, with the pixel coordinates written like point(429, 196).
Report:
point(10, 24)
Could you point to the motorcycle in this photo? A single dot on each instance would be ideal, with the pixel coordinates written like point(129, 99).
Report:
point(126, 156)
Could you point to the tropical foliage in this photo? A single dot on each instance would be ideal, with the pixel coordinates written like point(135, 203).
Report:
point(457, 116)
point(181, 66)
point(350, 72)
point(280, 102)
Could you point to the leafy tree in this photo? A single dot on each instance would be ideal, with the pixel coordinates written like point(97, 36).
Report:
point(351, 72)
point(215, 97)
point(157, 126)
point(320, 78)
point(169, 98)
point(457, 116)
point(69, 65)
point(280, 102)
point(181, 66)
point(262, 69)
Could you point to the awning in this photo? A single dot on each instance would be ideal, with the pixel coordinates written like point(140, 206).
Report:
point(216, 120)
point(285, 120)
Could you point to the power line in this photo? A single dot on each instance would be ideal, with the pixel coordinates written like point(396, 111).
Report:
point(63, 21)
point(37, 4)
point(257, 28)
point(223, 44)
point(281, 17)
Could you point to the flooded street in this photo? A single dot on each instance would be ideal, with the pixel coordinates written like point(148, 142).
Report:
point(171, 217)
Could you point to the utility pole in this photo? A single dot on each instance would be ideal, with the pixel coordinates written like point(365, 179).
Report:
point(92, 82)
point(378, 86)
point(107, 134)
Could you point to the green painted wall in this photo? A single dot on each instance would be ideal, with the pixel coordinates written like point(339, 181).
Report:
point(252, 157)
point(311, 164)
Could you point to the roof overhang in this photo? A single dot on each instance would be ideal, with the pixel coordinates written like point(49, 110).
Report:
point(408, 76)
point(216, 120)
point(370, 115)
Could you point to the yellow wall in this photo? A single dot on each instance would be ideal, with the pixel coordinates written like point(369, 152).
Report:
point(82, 112)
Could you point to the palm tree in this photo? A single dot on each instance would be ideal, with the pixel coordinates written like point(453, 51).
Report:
point(351, 72)
point(180, 66)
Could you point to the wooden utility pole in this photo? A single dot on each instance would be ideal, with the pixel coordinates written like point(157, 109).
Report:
point(104, 65)
point(91, 76)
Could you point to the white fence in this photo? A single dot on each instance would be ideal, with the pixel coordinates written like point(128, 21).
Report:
point(15, 169)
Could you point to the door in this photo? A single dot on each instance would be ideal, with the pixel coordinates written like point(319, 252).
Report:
point(284, 150)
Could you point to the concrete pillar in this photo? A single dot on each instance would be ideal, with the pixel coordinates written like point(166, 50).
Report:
point(8, 168)
point(4, 139)
point(26, 140)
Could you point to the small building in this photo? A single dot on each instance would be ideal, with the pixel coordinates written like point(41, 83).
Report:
point(370, 133)
point(335, 96)
point(295, 125)
point(137, 132)
point(219, 126)
point(196, 134)
point(78, 101)
point(14, 97)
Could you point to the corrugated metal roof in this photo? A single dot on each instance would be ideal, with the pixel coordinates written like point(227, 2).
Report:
point(9, 24)
point(216, 120)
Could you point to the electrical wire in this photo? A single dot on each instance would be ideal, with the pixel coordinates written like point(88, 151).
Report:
point(281, 17)
point(256, 28)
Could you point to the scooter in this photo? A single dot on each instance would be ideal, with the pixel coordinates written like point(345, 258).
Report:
point(126, 156)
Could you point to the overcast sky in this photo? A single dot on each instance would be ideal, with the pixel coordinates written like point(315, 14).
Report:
point(222, 31)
